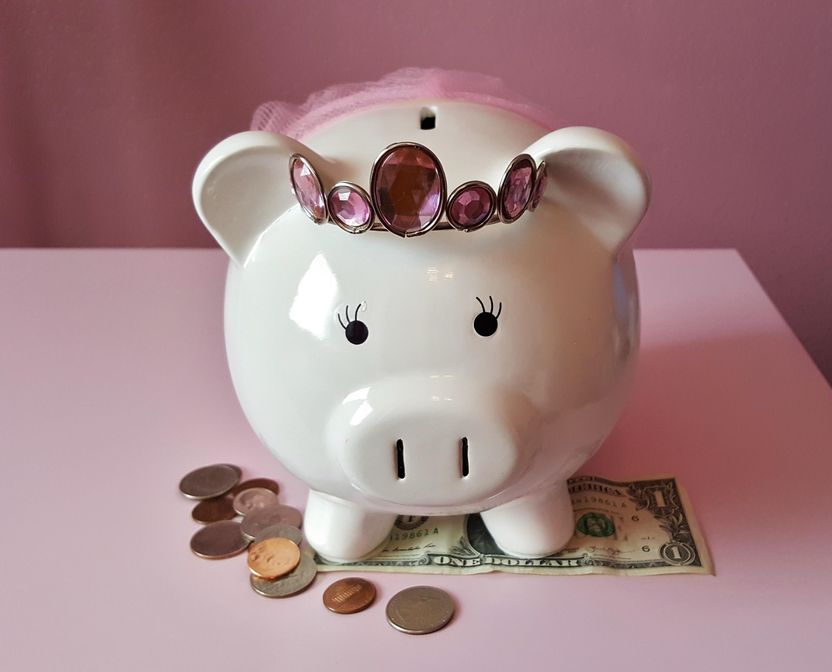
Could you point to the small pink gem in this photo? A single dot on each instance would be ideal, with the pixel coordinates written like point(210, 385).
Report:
point(408, 190)
point(539, 186)
point(349, 207)
point(307, 189)
point(471, 207)
point(516, 189)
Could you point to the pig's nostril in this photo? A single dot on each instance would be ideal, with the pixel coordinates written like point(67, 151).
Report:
point(400, 459)
point(464, 456)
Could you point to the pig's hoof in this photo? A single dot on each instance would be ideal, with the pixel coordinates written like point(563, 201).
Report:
point(533, 526)
point(341, 531)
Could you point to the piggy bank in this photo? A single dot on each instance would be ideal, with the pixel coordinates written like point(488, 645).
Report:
point(429, 319)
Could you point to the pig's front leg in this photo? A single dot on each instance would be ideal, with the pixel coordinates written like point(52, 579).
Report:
point(533, 526)
point(341, 531)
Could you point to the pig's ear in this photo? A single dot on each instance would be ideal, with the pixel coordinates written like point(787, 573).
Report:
point(242, 186)
point(596, 176)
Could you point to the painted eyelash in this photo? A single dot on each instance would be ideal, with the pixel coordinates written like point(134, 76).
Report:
point(347, 313)
point(491, 307)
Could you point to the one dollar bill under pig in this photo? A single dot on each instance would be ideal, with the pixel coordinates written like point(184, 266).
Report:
point(637, 527)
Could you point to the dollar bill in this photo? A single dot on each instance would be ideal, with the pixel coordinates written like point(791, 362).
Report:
point(640, 527)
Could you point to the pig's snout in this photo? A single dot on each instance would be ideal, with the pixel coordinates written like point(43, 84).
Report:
point(431, 441)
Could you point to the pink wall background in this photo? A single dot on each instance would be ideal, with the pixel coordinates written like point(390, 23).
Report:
point(106, 107)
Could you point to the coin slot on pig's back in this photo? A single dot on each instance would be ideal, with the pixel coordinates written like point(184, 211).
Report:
point(427, 118)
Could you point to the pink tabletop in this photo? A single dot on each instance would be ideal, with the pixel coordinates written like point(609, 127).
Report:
point(113, 384)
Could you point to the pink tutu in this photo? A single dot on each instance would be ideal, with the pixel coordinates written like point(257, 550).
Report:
point(339, 100)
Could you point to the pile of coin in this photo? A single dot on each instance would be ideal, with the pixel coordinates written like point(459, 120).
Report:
point(279, 566)
point(269, 530)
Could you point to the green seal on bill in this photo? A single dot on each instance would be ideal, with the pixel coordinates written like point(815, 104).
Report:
point(595, 525)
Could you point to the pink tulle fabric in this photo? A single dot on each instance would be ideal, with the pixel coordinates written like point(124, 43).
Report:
point(334, 102)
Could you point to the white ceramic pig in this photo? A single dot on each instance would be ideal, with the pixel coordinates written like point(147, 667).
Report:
point(427, 416)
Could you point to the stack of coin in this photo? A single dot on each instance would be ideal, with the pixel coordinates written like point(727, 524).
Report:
point(278, 564)
point(278, 567)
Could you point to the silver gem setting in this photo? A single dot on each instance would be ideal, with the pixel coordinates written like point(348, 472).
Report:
point(408, 194)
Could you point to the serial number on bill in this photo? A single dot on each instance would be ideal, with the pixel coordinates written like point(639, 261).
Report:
point(416, 534)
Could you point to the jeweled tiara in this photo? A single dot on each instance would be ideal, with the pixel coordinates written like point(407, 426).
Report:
point(408, 194)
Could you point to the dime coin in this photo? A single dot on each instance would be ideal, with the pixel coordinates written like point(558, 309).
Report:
point(218, 540)
point(252, 499)
point(349, 596)
point(211, 481)
point(274, 515)
point(420, 610)
point(285, 531)
point(267, 483)
point(291, 583)
point(212, 510)
point(273, 558)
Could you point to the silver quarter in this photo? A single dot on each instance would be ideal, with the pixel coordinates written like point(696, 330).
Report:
point(253, 499)
point(420, 610)
point(278, 514)
point(292, 583)
point(281, 531)
point(210, 481)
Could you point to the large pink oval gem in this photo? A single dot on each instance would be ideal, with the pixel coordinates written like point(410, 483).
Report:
point(408, 189)
point(307, 187)
point(516, 188)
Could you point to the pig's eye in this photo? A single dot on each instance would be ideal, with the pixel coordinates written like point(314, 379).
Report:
point(354, 329)
point(485, 324)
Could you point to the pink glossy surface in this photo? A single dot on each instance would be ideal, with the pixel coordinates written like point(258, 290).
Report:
point(107, 107)
point(307, 188)
point(114, 384)
point(471, 206)
point(407, 189)
point(349, 207)
point(516, 189)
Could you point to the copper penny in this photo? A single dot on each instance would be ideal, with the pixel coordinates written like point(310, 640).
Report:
point(266, 483)
point(212, 510)
point(349, 596)
point(279, 514)
point(219, 540)
point(290, 584)
point(420, 610)
point(273, 558)
point(210, 481)
point(248, 501)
